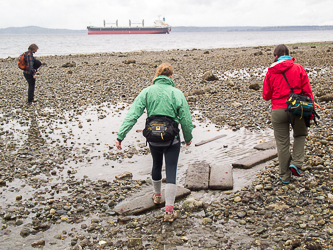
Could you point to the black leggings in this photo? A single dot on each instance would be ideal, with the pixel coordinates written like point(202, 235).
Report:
point(32, 81)
point(31, 89)
point(171, 154)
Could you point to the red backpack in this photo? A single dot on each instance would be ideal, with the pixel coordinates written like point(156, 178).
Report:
point(21, 62)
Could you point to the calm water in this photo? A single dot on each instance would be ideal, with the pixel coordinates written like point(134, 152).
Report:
point(13, 45)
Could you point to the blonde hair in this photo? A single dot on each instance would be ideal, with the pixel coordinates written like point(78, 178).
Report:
point(164, 69)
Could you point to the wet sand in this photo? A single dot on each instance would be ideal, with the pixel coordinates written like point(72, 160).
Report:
point(59, 154)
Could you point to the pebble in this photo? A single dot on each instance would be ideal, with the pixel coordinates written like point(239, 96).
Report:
point(38, 243)
point(59, 197)
point(237, 199)
point(25, 232)
point(206, 221)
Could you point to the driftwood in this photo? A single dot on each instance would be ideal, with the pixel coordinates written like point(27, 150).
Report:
point(209, 140)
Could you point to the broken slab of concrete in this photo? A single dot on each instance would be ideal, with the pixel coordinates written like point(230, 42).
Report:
point(256, 159)
point(221, 177)
point(145, 203)
point(266, 145)
point(197, 176)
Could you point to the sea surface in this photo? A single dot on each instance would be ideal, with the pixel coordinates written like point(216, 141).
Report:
point(66, 44)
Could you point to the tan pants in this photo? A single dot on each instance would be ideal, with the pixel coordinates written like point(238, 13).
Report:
point(281, 127)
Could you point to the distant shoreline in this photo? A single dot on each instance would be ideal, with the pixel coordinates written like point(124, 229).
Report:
point(33, 30)
point(130, 53)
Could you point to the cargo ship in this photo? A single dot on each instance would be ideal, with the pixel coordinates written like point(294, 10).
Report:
point(160, 27)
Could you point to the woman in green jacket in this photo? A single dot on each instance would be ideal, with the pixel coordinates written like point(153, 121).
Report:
point(162, 98)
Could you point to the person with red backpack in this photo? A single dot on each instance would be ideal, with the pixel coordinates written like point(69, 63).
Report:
point(30, 71)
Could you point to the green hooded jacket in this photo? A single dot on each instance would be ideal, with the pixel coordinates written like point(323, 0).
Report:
point(162, 98)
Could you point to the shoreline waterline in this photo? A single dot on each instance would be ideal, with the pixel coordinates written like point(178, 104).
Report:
point(66, 44)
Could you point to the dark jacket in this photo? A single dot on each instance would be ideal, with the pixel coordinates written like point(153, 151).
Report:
point(29, 58)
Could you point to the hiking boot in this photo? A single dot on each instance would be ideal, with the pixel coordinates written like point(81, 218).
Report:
point(170, 217)
point(157, 199)
point(294, 170)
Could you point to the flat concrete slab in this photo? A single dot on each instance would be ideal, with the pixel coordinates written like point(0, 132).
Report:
point(266, 145)
point(255, 159)
point(145, 203)
point(221, 177)
point(197, 176)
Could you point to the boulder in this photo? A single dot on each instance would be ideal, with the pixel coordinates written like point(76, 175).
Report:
point(134, 242)
point(218, 119)
point(38, 243)
point(254, 86)
point(69, 65)
point(124, 175)
point(230, 83)
point(129, 61)
point(209, 76)
point(191, 99)
point(198, 92)
point(192, 205)
point(326, 98)
point(25, 232)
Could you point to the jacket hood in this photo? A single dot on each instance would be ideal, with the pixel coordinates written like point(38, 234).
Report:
point(281, 66)
point(164, 80)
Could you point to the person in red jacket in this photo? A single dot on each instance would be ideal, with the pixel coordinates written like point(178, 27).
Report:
point(276, 89)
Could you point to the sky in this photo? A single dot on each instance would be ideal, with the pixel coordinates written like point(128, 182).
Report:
point(78, 14)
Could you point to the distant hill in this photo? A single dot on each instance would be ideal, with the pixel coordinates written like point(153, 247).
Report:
point(40, 30)
point(249, 28)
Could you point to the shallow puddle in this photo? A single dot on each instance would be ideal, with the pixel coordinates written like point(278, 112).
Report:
point(91, 136)
point(94, 132)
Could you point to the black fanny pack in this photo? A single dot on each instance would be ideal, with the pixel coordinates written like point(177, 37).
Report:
point(300, 105)
point(160, 128)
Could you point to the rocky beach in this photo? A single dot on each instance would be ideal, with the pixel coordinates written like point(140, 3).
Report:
point(61, 175)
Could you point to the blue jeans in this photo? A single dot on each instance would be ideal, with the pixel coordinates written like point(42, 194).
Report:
point(171, 154)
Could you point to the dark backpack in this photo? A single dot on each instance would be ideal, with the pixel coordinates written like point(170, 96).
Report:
point(300, 105)
point(22, 64)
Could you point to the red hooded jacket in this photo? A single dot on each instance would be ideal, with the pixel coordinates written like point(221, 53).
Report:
point(275, 87)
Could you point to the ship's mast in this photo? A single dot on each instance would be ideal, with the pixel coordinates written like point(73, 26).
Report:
point(143, 22)
point(105, 23)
